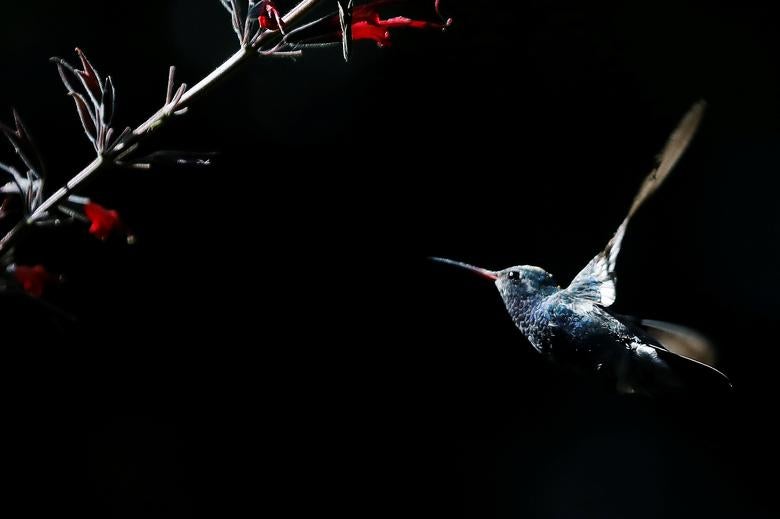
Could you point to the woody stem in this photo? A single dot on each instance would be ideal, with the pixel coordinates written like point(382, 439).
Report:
point(153, 123)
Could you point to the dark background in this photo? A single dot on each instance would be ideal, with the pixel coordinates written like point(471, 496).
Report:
point(276, 344)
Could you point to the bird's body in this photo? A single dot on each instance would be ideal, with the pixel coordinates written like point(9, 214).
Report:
point(583, 335)
point(572, 326)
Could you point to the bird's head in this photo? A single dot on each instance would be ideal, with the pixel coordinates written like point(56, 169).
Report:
point(519, 286)
point(523, 283)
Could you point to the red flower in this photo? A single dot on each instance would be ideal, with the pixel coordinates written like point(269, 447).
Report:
point(367, 24)
point(33, 279)
point(269, 17)
point(364, 22)
point(104, 222)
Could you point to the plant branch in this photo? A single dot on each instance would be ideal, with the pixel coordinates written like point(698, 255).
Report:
point(153, 123)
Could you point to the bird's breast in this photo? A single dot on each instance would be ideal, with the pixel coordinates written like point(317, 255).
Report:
point(575, 334)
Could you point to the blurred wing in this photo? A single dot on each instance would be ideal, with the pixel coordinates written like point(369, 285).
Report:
point(681, 340)
point(596, 282)
point(654, 370)
point(678, 339)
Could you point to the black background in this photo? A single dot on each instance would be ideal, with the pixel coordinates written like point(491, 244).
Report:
point(276, 343)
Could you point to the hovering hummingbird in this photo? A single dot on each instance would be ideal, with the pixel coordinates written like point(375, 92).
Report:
point(574, 327)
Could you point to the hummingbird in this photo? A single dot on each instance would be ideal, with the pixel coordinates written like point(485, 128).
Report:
point(575, 327)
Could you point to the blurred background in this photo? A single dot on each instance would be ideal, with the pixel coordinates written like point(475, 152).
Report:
point(277, 340)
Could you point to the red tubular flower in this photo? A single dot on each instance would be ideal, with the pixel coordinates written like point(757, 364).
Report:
point(104, 222)
point(33, 279)
point(369, 31)
point(269, 17)
point(362, 22)
point(367, 23)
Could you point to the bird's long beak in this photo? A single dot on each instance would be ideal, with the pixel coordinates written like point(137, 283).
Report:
point(489, 274)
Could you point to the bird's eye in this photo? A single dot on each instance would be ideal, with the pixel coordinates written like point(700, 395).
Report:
point(514, 275)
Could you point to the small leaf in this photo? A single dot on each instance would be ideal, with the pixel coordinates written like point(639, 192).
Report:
point(101, 139)
point(21, 131)
point(23, 145)
point(4, 207)
point(16, 186)
point(90, 76)
point(67, 73)
point(171, 84)
point(112, 143)
point(29, 196)
point(107, 103)
point(13, 138)
point(86, 116)
point(237, 25)
point(238, 10)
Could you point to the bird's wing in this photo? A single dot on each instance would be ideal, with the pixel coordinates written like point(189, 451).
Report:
point(652, 369)
point(680, 340)
point(596, 282)
point(676, 338)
